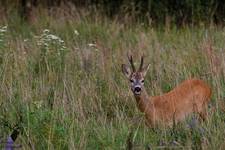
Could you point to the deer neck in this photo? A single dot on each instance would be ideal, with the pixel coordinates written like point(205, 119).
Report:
point(143, 101)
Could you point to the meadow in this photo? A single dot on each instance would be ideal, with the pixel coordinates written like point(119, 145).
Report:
point(62, 85)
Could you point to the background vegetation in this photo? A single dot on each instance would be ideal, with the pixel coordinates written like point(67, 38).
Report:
point(191, 12)
point(61, 81)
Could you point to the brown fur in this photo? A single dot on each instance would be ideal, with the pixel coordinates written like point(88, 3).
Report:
point(190, 96)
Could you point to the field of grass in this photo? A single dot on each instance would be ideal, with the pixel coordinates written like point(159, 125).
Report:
point(61, 82)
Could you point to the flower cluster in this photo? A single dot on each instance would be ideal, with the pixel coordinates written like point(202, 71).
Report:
point(53, 50)
point(49, 41)
point(3, 30)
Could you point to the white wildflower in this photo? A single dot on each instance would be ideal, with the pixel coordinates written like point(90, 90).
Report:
point(46, 31)
point(53, 37)
point(76, 32)
point(61, 41)
point(91, 45)
point(3, 29)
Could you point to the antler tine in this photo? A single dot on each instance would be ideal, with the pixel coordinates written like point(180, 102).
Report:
point(130, 58)
point(142, 63)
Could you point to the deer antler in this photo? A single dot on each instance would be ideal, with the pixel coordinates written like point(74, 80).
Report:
point(142, 63)
point(130, 58)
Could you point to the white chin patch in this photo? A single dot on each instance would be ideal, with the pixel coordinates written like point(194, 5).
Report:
point(137, 93)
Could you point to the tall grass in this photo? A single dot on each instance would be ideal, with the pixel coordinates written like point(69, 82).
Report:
point(61, 82)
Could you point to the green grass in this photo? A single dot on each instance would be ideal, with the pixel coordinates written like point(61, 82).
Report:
point(68, 92)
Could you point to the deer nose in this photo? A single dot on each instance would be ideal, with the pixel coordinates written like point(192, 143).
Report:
point(137, 89)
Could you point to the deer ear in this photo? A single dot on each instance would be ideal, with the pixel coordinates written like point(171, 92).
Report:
point(145, 69)
point(126, 70)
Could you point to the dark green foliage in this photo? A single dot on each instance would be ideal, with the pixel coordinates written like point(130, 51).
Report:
point(180, 12)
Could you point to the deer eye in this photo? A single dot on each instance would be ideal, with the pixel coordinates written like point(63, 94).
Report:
point(131, 80)
point(142, 81)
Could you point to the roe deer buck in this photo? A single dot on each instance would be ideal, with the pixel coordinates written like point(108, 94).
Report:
point(191, 96)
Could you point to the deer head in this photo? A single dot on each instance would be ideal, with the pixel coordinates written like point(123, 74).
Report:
point(136, 77)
